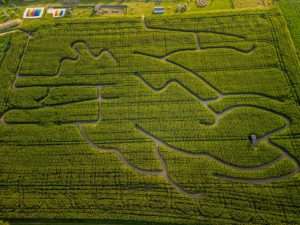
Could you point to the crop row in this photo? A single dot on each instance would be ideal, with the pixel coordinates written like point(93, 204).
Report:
point(120, 44)
point(52, 171)
point(8, 69)
point(291, 12)
point(184, 170)
point(74, 112)
point(4, 45)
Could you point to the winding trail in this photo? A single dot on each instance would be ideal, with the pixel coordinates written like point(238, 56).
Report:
point(159, 141)
point(265, 138)
point(75, 59)
point(269, 180)
point(202, 101)
point(252, 180)
point(164, 172)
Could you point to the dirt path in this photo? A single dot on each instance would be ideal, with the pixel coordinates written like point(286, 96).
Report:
point(144, 23)
point(198, 41)
point(157, 141)
point(75, 59)
point(163, 172)
point(20, 63)
point(29, 36)
point(16, 31)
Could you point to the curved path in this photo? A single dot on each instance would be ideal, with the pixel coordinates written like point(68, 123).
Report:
point(265, 138)
point(269, 180)
point(157, 141)
point(16, 31)
point(253, 180)
point(163, 172)
point(75, 59)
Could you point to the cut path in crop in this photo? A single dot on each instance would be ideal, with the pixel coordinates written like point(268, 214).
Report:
point(163, 172)
point(146, 27)
point(76, 58)
point(16, 31)
point(157, 141)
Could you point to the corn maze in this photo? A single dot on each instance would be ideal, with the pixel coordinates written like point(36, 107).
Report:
point(149, 120)
point(291, 12)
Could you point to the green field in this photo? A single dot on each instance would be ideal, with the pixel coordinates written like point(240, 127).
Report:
point(291, 12)
point(146, 120)
point(15, 8)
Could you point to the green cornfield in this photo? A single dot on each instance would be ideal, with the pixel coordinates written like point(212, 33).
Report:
point(183, 119)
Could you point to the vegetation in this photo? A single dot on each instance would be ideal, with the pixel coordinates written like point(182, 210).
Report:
point(291, 12)
point(148, 120)
point(4, 44)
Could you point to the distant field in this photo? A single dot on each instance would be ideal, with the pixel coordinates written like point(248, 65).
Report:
point(135, 7)
point(149, 119)
point(291, 12)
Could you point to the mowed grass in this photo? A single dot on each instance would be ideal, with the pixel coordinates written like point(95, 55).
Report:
point(148, 120)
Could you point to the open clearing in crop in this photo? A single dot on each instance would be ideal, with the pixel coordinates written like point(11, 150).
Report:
point(148, 119)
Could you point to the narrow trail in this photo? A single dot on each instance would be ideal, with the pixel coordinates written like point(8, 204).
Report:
point(204, 102)
point(146, 27)
point(247, 51)
point(198, 41)
point(169, 180)
point(164, 87)
point(198, 49)
point(183, 68)
point(2, 122)
point(117, 151)
point(269, 180)
point(203, 154)
point(164, 172)
point(252, 181)
point(21, 61)
point(75, 59)
point(16, 31)
point(46, 96)
point(144, 23)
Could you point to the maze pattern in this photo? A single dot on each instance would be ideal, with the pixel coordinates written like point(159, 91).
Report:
point(159, 105)
point(291, 12)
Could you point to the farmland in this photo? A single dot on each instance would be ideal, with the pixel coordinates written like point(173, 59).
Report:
point(147, 120)
point(291, 12)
